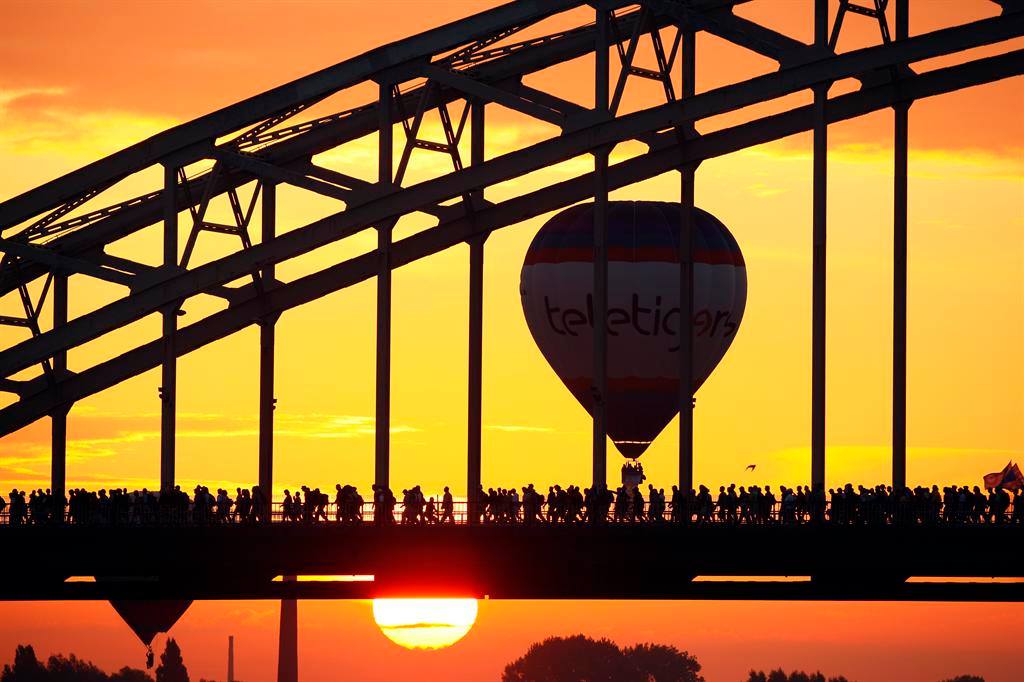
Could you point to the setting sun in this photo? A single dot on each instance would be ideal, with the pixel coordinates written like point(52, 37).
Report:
point(424, 623)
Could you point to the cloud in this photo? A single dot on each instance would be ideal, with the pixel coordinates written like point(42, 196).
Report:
point(761, 189)
point(105, 434)
point(519, 428)
point(44, 121)
point(332, 426)
point(19, 98)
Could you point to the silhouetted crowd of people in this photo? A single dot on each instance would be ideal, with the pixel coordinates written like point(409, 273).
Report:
point(732, 504)
point(118, 506)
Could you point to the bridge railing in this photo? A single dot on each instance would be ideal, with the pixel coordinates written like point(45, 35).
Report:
point(330, 513)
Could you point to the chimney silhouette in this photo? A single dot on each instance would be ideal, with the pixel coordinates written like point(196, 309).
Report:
point(231, 658)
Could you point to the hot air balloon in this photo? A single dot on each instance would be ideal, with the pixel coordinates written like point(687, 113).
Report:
point(643, 308)
point(148, 617)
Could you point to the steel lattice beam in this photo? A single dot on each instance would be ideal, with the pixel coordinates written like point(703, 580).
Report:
point(191, 140)
point(188, 142)
point(401, 201)
point(113, 223)
point(311, 287)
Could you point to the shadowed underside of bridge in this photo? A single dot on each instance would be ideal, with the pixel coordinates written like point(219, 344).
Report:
point(454, 74)
point(515, 562)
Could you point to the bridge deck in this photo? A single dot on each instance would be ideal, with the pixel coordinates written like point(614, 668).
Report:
point(654, 561)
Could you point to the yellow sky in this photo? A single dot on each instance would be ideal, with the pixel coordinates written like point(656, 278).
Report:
point(81, 80)
point(966, 322)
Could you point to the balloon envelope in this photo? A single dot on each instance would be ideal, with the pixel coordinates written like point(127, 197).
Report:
point(643, 308)
point(148, 617)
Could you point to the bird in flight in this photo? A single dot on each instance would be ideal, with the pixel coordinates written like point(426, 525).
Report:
point(751, 467)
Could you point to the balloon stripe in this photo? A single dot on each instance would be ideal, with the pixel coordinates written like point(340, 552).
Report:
point(635, 255)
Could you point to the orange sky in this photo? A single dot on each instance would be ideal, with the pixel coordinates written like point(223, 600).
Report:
point(82, 80)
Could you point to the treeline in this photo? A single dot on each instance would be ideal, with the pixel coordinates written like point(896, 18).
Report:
point(28, 668)
point(557, 659)
point(58, 668)
point(582, 659)
point(800, 676)
point(795, 676)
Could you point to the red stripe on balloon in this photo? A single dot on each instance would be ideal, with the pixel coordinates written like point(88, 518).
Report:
point(626, 255)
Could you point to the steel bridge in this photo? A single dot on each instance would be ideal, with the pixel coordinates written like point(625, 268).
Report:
point(61, 230)
point(538, 561)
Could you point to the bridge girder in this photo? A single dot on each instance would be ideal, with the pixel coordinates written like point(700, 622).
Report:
point(248, 310)
point(297, 144)
point(713, 561)
point(393, 203)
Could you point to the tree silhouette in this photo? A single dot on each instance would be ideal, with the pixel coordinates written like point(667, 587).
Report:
point(127, 674)
point(172, 667)
point(795, 676)
point(26, 667)
point(664, 663)
point(966, 678)
point(559, 659)
point(73, 669)
point(582, 659)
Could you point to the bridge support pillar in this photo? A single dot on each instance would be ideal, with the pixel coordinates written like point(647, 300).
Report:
point(599, 388)
point(267, 342)
point(59, 418)
point(820, 194)
point(899, 288)
point(382, 460)
point(288, 640)
point(686, 242)
point(476, 327)
point(169, 368)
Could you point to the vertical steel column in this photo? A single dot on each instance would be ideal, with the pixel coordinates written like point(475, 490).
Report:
point(267, 341)
point(59, 417)
point(687, 237)
point(899, 287)
point(288, 634)
point(476, 322)
point(169, 369)
point(599, 388)
point(382, 464)
point(818, 295)
point(288, 640)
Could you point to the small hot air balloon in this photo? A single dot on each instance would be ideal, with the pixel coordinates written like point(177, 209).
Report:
point(148, 617)
point(643, 308)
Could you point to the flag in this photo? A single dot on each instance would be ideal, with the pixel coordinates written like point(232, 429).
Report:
point(1014, 480)
point(1010, 478)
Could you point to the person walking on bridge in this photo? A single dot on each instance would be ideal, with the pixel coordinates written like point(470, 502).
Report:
point(447, 507)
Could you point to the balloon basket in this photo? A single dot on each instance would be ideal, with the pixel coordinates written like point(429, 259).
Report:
point(632, 474)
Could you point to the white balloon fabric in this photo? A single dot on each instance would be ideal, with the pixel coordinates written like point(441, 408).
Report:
point(643, 308)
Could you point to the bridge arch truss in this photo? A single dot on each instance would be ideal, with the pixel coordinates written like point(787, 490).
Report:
point(451, 74)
